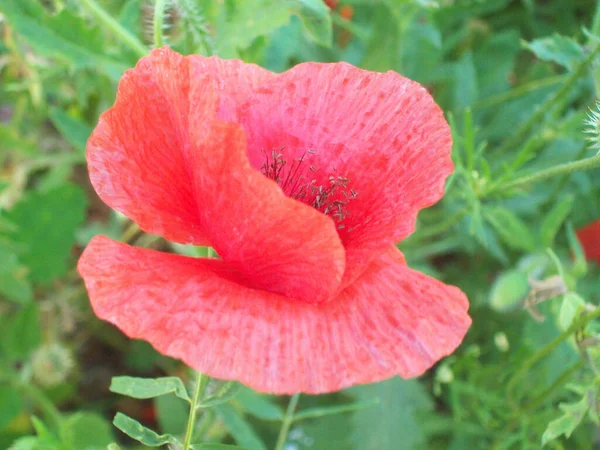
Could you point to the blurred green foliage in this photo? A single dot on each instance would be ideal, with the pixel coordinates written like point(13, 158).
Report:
point(516, 79)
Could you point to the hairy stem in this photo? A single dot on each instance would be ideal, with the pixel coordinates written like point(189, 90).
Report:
point(158, 22)
point(537, 117)
point(561, 169)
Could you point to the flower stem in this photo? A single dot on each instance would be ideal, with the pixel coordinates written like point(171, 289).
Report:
point(542, 109)
point(158, 22)
point(109, 22)
point(578, 324)
point(561, 169)
point(201, 383)
point(287, 421)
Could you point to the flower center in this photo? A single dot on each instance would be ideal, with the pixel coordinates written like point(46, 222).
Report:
point(331, 197)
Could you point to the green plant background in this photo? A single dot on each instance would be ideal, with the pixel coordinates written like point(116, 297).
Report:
point(516, 78)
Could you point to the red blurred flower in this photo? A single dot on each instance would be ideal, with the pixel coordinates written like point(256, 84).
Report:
point(302, 182)
point(589, 237)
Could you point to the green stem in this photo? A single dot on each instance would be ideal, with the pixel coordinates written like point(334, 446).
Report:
point(565, 179)
point(561, 169)
point(287, 421)
point(109, 22)
point(158, 22)
point(578, 324)
point(201, 383)
point(537, 117)
point(518, 91)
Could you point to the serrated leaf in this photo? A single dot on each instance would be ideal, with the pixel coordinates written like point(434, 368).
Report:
point(511, 229)
point(258, 405)
point(559, 49)
point(316, 19)
point(148, 387)
point(394, 422)
point(21, 332)
point(554, 220)
point(241, 431)
point(226, 392)
point(73, 130)
point(46, 224)
point(64, 36)
point(140, 433)
point(568, 309)
point(573, 413)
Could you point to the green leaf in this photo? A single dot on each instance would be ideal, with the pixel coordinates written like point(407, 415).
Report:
point(73, 130)
point(511, 229)
point(148, 387)
point(87, 431)
point(140, 433)
point(394, 422)
point(64, 36)
point(210, 446)
point(315, 18)
point(508, 290)
point(571, 304)
point(21, 332)
point(554, 220)
point(47, 222)
point(226, 392)
point(250, 20)
point(465, 82)
point(14, 282)
point(11, 404)
point(113, 447)
point(258, 405)
point(573, 413)
point(323, 411)
point(171, 413)
point(580, 266)
point(241, 431)
point(559, 49)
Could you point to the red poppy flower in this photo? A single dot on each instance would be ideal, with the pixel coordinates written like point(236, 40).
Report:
point(302, 182)
point(589, 237)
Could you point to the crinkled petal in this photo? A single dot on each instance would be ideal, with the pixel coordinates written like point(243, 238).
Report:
point(392, 320)
point(234, 80)
point(589, 237)
point(138, 153)
point(277, 243)
point(381, 131)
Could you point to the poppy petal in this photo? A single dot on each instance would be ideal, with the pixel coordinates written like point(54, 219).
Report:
point(392, 320)
point(278, 244)
point(589, 237)
point(234, 80)
point(137, 154)
point(381, 131)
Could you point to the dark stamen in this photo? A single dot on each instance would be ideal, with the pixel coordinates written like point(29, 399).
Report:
point(295, 185)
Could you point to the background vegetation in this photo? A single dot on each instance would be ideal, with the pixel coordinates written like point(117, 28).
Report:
point(517, 79)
